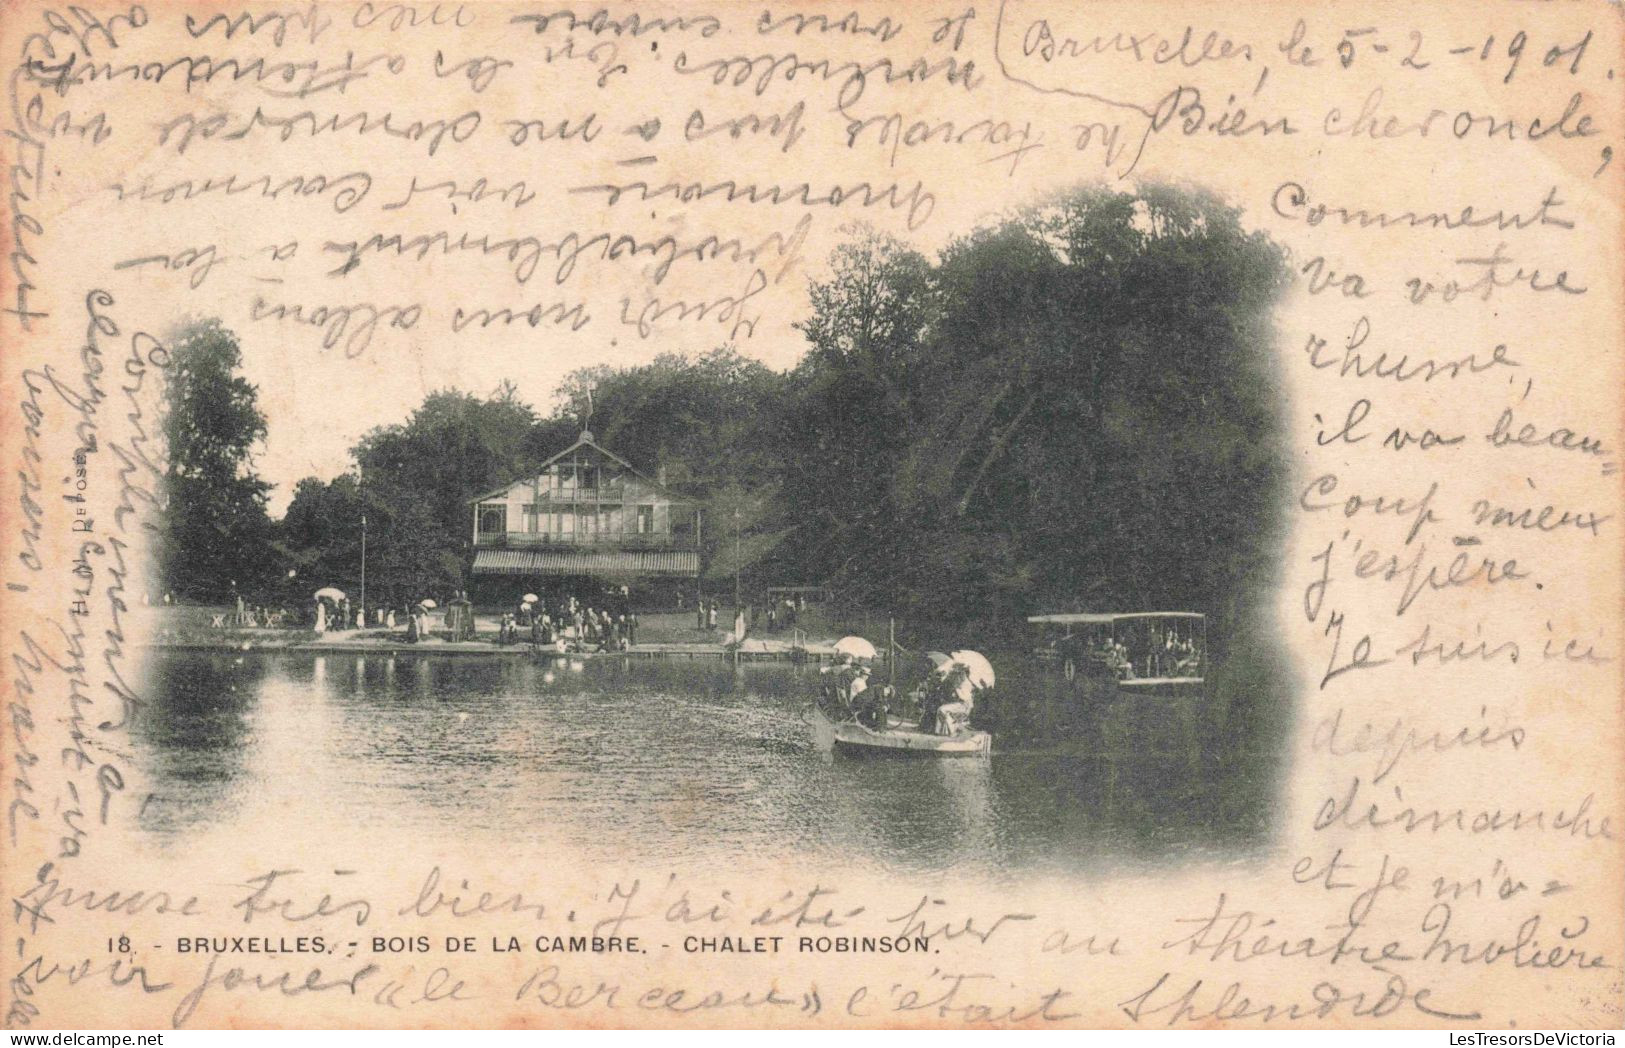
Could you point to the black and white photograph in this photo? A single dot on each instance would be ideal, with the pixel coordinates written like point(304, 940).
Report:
point(1010, 519)
point(675, 516)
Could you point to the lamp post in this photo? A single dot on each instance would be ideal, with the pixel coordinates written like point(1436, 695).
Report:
point(739, 612)
point(363, 569)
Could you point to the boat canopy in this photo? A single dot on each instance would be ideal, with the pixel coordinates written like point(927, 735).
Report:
point(1142, 649)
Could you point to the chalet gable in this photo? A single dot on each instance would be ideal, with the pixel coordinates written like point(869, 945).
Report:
point(585, 443)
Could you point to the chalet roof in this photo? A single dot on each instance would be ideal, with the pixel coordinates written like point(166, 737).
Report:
point(585, 440)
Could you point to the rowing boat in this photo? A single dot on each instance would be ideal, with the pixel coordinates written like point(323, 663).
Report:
point(850, 737)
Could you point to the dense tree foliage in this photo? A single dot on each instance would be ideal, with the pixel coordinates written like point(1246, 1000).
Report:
point(215, 529)
point(1071, 409)
point(467, 444)
point(852, 415)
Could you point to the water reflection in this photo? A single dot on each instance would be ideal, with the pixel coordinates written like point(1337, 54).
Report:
point(195, 735)
point(665, 761)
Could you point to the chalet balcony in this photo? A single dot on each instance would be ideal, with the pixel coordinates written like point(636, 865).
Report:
point(607, 540)
point(613, 494)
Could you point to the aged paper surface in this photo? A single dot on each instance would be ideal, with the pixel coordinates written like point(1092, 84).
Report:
point(1301, 319)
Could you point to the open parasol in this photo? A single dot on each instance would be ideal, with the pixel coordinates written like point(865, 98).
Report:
point(981, 671)
point(426, 603)
point(856, 647)
point(329, 593)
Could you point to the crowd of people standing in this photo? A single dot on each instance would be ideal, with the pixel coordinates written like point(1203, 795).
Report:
point(568, 621)
point(573, 626)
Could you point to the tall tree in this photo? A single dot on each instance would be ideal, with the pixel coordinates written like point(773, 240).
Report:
point(408, 555)
point(216, 530)
point(853, 407)
point(467, 444)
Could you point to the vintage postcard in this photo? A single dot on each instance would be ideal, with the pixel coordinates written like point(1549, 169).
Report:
point(919, 514)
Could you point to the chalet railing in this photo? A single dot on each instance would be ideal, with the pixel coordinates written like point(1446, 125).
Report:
point(614, 492)
point(598, 540)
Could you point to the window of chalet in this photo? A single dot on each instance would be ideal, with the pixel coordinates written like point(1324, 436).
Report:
point(493, 520)
point(646, 520)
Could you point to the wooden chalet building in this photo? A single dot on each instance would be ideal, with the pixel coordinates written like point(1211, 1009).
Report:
point(587, 522)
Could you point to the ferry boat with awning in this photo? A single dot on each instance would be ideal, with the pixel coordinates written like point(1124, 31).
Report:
point(1140, 651)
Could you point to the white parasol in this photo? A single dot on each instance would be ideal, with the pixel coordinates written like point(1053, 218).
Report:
point(426, 603)
point(856, 647)
point(530, 598)
point(981, 671)
point(329, 593)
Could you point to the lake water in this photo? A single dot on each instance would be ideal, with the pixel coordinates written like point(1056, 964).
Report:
point(669, 761)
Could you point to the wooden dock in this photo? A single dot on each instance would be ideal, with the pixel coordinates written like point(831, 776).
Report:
point(752, 650)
